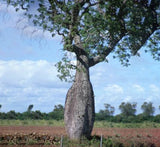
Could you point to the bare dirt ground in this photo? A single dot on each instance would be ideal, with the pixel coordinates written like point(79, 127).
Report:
point(58, 131)
point(55, 131)
point(151, 135)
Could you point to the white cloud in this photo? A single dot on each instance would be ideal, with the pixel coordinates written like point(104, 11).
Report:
point(30, 82)
point(127, 99)
point(138, 88)
point(97, 75)
point(154, 88)
point(115, 89)
point(14, 19)
point(149, 99)
point(28, 73)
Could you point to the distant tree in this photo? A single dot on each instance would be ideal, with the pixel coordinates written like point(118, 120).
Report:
point(58, 108)
point(128, 109)
point(140, 118)
point(109, 110)
point(118, 118)
point(0, 111)
point(30, 107)
point(58, 112)
point(157, 118)
point(11, 115)
point(37, 115)
point(106, 113)
point(148, 109)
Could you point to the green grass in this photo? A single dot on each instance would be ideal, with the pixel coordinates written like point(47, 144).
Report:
point(32, 123)
point(60, 123)
point(105, 124)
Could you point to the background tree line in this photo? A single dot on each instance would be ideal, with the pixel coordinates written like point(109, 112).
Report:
point(56, 114)
point(128, 113)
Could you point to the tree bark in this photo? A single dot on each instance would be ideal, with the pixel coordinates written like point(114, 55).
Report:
point(79, 106)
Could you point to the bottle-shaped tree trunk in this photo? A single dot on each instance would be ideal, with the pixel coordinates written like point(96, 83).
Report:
point(79, 107)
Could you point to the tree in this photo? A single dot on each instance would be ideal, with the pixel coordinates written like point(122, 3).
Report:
point(92, 30)
point(128, 109)
point(0, 108)
point(30, 107)
point(11, 115)
point(106, 113)
point(37, 115)
point(148, 109)
point(58, 112)
point(109, 110)
point(58, 107)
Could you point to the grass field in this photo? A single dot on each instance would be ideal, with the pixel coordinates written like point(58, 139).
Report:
point(32, 123)
point(97, 124)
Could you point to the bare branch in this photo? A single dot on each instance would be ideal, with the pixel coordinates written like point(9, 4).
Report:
point(23, 8)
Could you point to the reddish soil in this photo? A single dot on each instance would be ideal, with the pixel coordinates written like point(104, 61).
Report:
point(54, 131)
point(151, 135)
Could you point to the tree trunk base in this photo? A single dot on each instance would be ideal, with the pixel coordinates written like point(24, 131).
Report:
point(79, 110)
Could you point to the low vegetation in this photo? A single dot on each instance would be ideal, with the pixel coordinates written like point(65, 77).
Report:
point(29, 122)
point(60, 123)
point(127, 115)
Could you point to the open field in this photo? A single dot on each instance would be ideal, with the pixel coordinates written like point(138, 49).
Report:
point(44, 134)
point(60, 123)
point(52, 135)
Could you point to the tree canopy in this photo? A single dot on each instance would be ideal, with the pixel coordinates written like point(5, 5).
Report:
point(128, 109)
point(148, 109)
point(108, 111)
point(30, 107)
point(97, 27)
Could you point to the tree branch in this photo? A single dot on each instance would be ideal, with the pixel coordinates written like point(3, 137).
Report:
point(101, 57)
point(87, 8)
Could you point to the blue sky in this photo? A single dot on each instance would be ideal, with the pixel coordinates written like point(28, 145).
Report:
point(28, 75)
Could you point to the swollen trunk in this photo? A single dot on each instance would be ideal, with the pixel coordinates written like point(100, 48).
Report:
point(79, 106)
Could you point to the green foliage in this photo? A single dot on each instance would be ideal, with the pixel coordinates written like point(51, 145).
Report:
point(109, 110)
point(128, 114)
point(156, 118)
point(148, 109)
point(121, 27)
point(103, 117)
point(11, 114)
point(65, 69)
point(94, 141)
point(30, 107)
point(105, 114)
point(57, 113)
point(128, 109)
point(31, 122)
point(98, 124)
